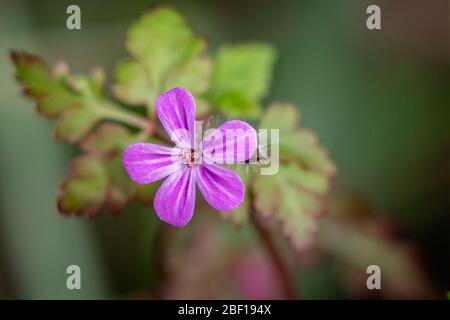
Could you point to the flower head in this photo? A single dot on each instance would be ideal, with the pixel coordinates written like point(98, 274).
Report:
point(191, 163)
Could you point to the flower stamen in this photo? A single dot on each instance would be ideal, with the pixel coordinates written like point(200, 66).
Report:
point(190, 158)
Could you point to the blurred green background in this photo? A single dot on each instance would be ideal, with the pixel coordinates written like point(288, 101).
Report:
point(379, 100)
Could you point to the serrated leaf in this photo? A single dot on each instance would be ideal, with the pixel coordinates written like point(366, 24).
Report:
point(299, 145)
point(133, 84)
point(282, 116)
point(162, 40)
point(267, 195)
point(293, 195)
point(84, 191)
point(74, 123)
point(167, 54)
point(51, 94)
point(108, 138)
point(245, 67)
point(105, 186)
point(100, 171)
point(242, 71)
point(303, 146)
point(73, 99)
point(194, 75)
point(121, 189)
point(287, 198)
point(314, 181)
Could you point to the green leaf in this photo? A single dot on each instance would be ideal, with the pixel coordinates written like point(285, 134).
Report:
point(74, 100)
point(120, 187)
point(96, 183)
point(109, 138)
point(298, 145)
point(97, 179)
point(236, 104)
point(162, 40)
point(84, 191)
point(288, 198)
point(167, 54)
point(194, 75)
point(245, 68)
point(282, 116)
point(294, 195)
point(51, 94)
point(302, 146)
point(133, 85)
point(74, 123)
point(241, 73)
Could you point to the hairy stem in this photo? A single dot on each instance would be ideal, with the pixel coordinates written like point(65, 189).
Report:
point(273, 254)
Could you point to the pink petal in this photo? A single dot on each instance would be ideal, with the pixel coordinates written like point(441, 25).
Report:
point(176, 111)
point(146, 162)
point(175, 199)
point(221, 187)
point(233, 142)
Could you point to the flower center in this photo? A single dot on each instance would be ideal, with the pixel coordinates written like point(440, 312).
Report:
point(190, 158)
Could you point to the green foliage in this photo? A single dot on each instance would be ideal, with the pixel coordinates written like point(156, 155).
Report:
point(293, 196)
point(165, 53)
point(108, 139)
point(74, 123)
point(85, 189)
point(299, 145)
point(52, 95)
point(97, 179)
point(241, 77)
point(132, 84)
point(72, 100)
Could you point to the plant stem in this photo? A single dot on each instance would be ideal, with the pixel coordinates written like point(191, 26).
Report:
point(147, 125)
point(273, 253)
point(113, 112)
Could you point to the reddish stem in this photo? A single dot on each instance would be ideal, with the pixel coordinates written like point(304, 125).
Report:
point(267, 241)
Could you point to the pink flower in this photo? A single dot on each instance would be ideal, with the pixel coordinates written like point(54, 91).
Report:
point(189, 163)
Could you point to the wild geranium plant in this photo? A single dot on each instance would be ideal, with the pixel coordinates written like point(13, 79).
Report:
point(190, 163)
point(171, 76)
